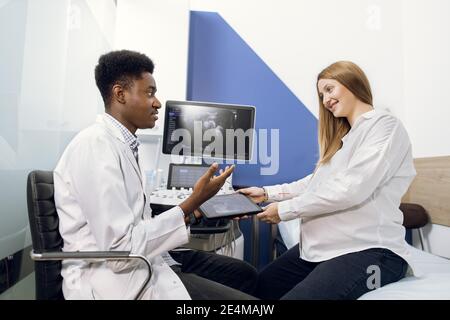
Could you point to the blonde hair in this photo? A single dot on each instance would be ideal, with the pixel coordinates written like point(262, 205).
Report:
point(331, 129)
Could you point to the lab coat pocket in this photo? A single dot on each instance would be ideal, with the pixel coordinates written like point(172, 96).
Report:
point(109, 285)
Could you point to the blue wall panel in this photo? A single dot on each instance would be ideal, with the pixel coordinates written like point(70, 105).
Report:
point(223, 68)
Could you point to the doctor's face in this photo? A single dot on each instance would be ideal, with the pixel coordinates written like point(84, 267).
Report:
point(336, 98)
point(141, 103)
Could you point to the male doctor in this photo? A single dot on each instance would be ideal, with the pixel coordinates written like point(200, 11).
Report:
point(102, 205)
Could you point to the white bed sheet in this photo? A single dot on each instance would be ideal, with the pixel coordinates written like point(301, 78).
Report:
point(434, 284)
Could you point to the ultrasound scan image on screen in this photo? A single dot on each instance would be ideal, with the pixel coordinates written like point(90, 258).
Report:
point(208, 130)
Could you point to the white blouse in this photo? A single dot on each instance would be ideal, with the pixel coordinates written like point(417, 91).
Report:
point(352, 203)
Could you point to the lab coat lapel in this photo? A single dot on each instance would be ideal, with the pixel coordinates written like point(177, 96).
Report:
point(133, 161)
point(119, 136)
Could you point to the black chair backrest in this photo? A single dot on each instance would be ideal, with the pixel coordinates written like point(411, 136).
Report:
point(45, 234)
point(414, 215)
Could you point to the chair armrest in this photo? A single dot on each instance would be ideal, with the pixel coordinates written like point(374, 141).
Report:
point(94, 255)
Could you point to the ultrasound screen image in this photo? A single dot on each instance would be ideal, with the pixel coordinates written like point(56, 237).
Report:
point(204, 124)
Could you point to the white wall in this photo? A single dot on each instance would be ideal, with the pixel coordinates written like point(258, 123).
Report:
point(159, 29)
point(426, 30)
point(297, 39)
point(426, 50)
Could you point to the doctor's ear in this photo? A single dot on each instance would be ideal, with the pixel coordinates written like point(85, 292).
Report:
point(118, 93)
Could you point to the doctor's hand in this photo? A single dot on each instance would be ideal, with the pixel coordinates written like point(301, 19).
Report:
point(256, 194)
point(270, 214)
point(208, 184)
point(206, 187)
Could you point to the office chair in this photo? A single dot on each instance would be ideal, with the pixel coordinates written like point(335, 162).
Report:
point(415, 217)
point(48, 243)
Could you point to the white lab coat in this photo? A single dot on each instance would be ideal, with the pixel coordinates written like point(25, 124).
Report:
point(352, 203)
point(99, 195)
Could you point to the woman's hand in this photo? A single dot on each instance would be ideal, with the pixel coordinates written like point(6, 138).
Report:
point(270, 214)
point(256, 194)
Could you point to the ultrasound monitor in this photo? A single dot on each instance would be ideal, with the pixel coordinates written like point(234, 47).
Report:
point(209, 130)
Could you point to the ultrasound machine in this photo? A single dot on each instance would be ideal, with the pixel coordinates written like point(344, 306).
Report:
point(201, 133)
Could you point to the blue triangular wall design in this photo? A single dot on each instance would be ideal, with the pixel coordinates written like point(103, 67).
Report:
point(223, 68)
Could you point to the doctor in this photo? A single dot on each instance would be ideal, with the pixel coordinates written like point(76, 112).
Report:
point(351, 233)
point(102, 205)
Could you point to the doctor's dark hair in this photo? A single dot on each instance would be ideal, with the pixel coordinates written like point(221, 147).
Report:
point(331, 129)
point(120, 67)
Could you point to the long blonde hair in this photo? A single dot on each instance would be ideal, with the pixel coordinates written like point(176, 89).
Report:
point(331, 129)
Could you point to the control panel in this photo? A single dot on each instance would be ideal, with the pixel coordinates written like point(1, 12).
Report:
point(181, 180)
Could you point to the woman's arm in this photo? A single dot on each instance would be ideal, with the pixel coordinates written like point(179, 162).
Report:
point(286, 191)
point(277, 192)
point(374, 162)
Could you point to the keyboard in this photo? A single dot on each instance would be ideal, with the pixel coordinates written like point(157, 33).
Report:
point(173, 197)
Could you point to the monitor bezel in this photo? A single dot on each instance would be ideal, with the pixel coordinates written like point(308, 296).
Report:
point(214, 105)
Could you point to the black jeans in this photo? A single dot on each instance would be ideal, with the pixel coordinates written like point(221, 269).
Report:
point(210, 276)
point(345, 277)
